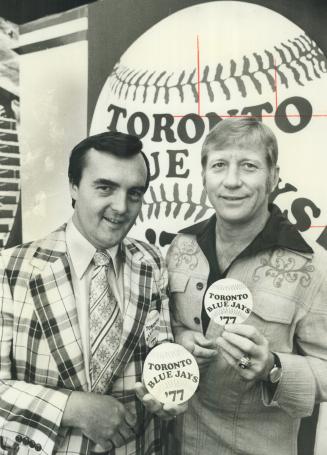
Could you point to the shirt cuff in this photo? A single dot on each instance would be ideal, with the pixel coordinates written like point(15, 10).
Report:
point(295, 392)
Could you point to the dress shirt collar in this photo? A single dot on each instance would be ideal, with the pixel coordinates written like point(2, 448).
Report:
point(81, 251)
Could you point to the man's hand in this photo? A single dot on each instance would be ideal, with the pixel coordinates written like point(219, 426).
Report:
point(164, 411)
point(238, 340)
point(101, 418)
point(197, 344)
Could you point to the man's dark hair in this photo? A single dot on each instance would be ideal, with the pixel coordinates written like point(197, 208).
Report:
point(112, 142)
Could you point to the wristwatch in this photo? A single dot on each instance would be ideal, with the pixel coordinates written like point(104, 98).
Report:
point(276, 372)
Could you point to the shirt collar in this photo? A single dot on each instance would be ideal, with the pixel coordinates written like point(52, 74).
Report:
point(81, 251)
point(278, 232)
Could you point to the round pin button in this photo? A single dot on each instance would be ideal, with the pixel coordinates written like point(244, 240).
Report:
point(196, 320)
point(228, 301)
point(171, 373)
point(199, 286)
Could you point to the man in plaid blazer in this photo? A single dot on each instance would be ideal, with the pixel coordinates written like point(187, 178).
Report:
point(46, 402)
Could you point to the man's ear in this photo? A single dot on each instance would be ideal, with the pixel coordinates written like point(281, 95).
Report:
point(203, 178)
point(73, 188)
point(275, 178)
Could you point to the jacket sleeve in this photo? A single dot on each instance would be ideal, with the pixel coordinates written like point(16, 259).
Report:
point(304, 379)
point(30, 414)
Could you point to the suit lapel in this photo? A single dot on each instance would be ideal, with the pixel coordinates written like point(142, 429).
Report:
point(55, 306)
point(138, 277)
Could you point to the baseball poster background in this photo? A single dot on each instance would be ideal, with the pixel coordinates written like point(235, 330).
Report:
point(168, 72)
point(199, 65)
point(171, 72)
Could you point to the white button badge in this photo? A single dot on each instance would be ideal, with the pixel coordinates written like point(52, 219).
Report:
point(228, 301)
point(171, 373)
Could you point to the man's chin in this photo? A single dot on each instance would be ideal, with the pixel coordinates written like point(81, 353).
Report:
point(234, 219)
point(112, 236)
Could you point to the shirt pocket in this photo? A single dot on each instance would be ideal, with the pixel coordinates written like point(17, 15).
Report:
point(274, 315)
point(186, 298)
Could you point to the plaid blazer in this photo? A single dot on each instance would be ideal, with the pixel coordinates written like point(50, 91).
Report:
point(41, 359)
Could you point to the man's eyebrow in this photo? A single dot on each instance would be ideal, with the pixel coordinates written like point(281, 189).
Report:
point(102, 181)
point(255, 160)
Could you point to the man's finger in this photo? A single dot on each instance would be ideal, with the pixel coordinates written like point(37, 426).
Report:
point(203, 362)
point(239, 342)
point(151, 403)
point(204, 352)
point(140, 390)
point(231, 349)
point(229, 359)
point(204, 342)
point(126, 432)
point(130, 419)
point(118, 440)
point(246, 374)
point(245, 330)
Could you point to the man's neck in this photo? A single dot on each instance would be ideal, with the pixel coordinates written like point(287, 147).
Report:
point(232, 239)
point(241, 233)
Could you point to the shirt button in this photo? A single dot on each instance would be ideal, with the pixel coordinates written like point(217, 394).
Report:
point(26, 440)
point(196, 320)
point(199, 286)
point(18, 438)
point(38, 447)
point(32, 444)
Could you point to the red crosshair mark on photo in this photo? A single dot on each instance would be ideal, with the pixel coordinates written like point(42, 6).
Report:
point(198, 73)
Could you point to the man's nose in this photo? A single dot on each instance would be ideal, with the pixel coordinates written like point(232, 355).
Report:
point(232, 177)
point(119, 202)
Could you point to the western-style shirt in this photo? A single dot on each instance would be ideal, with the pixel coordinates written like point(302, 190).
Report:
point(287, 278)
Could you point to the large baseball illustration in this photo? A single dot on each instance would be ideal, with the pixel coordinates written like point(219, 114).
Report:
point(194, 68)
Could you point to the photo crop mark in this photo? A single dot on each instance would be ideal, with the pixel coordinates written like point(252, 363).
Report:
point(275, 86)
point(199, 72)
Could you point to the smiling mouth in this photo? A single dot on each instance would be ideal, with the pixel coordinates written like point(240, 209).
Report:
point(233, 198)
point(113, 221)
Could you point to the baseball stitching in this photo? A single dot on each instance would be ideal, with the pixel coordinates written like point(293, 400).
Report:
point(234, 285)
point(234, 288)
point(175, 205)
point(300, 58)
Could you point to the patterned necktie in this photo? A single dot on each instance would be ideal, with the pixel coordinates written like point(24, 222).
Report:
point(106, 324)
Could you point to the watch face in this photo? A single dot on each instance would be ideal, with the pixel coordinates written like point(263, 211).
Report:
point(275, 374)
